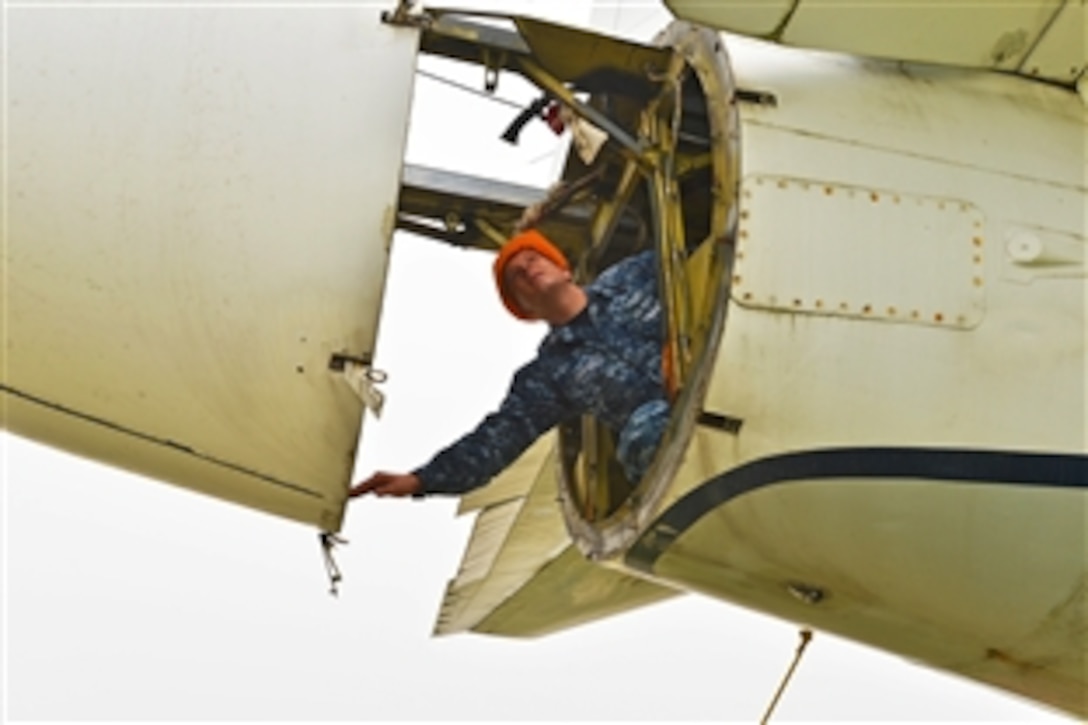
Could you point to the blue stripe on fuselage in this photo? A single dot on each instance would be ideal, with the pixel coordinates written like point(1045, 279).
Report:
point(967, 466)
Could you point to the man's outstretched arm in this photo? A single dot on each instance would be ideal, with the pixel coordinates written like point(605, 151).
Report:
point(532, 406)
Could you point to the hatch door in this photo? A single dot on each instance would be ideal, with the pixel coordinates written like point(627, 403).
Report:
point(200, 204)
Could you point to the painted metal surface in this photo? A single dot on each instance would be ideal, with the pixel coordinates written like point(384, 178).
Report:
point(202, 265)
point(975, 577)
point(1014, 380)
point(889, 477)
point(1054, 56)
point(858, 252)
point(1038, 39)
point(920, 562)
point(521, 576)
point(201, 200)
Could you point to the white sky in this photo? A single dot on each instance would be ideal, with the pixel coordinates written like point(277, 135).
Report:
point(126, 599)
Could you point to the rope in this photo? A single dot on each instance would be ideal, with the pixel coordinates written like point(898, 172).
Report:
point(468, 89)
point(806, 637)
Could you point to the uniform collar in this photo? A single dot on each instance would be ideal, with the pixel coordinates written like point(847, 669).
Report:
point(576, 329)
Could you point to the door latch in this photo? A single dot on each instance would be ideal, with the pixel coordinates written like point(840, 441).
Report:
point(362, 378)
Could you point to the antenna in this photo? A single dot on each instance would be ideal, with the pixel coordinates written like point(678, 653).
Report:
point(806, 637)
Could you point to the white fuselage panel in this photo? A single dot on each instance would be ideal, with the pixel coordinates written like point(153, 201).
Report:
point(200, 204)
point(904, 348)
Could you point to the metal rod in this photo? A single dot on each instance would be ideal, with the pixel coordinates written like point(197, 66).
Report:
point(806, 637)
point(468, 88)
point(489, 231)
point(609, 211)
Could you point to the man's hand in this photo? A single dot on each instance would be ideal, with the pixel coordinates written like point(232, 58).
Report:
point(388, 484)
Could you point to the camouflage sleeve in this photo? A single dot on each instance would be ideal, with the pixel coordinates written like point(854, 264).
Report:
point(533, 404)
point(643, 270)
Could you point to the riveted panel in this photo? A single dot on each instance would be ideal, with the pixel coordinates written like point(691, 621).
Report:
point(823, 248)
point(1036, 38)
point(1060, 54)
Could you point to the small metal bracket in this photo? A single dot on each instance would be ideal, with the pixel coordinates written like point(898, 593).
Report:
point(494, 61)
point(362, 378)
point(807, 593)
point(726, 423)
point(760, 98)
point(329, 541)
point(403, 15)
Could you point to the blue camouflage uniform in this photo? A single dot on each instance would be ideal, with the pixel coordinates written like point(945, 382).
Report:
point(606, 361)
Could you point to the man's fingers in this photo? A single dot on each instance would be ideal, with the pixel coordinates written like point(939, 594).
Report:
point(383, 487)
point(369, 484)
point(387, 484)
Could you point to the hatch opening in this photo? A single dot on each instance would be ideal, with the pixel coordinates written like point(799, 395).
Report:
point(665, 180)
point(684, 203)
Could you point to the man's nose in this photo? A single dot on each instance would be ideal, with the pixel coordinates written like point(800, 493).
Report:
point(520, 273)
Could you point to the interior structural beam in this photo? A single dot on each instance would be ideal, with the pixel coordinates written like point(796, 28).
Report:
point(450, 36)
point(459, 208)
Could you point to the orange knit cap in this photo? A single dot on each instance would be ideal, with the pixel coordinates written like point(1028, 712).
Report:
point(529, 239)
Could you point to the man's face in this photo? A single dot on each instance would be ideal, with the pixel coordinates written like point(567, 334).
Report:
point(529, 276)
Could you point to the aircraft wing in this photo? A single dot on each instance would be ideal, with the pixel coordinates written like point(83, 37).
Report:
point(521, 575)
point(1043, 39)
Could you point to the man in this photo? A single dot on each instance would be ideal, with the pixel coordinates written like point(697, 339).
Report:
point(602, 355)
